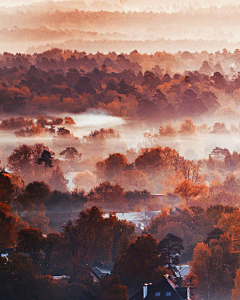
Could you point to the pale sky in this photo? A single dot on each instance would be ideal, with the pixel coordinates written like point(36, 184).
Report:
point(163, 3)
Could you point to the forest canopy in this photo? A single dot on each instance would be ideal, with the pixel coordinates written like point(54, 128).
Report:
point(66, 81)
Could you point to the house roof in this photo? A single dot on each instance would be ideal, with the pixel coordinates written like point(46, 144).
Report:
point(143, 217)
point(166, 290)
point(183, 270)
point(137, 296)
point(59, 277)
point(6, 250)
point(183, 292)
point(100, 271)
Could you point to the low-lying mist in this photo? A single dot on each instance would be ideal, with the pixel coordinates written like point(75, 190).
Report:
point(132, 134)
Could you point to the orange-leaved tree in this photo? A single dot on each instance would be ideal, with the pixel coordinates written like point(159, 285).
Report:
point(192, 184)
point(189, 190)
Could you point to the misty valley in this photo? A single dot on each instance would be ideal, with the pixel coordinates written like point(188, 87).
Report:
point(119, 170)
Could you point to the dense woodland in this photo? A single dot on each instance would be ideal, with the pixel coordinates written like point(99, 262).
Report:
point(139, 86)
point(57, 231)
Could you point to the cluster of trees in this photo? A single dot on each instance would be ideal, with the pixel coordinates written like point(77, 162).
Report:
point(41, 127)
point(208, 237)
point(192, 224)
point(90, 238)
point(57, 81)
point(201, 230)
point(202, 227)
point(25, 162)
point(211, 241)
point(219, 264)
point(110, 181)
point(187, 127)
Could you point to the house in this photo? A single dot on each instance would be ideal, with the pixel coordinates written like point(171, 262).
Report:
point(5, 251)
point(98, 272)
point(183, 271)
point(139, 219)
point(165, 290)
point(61, 277)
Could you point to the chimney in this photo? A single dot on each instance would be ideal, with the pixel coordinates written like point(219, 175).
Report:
point(145, 289)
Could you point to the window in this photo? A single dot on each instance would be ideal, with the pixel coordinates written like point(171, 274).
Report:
point(168, 293)
point(157, 294)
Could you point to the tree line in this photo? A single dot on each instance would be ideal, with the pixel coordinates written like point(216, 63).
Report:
point(57, 81)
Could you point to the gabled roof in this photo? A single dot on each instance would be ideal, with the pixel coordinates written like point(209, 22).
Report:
point(164, 287)
point(99, 272)
point(183, 270)
point(183, 292)
point(170, 282)
point(6, 250)
point(60, 277)
point(137, 296)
